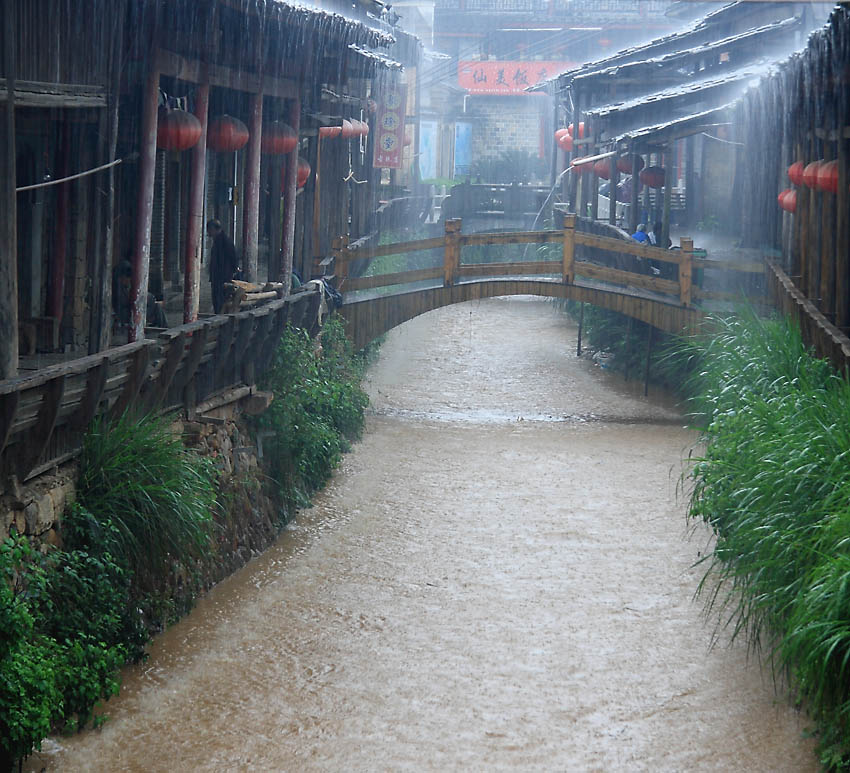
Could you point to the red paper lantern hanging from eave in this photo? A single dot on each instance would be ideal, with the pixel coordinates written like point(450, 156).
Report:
point(652, 177)
point(810, 174)
point(827, 179)
point(303, 172)
point(571, 130)
point(788, 200)
point(347, 130)
point(365, 128)
point(278, 139)
point(795, 173)
point(227, 134)
point(329, 132)
point(177, 129)
point(564, 141)
point(624, 164)
point(602, 168)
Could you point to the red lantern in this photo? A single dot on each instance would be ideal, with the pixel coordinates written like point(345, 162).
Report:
point(827, 179)
point(365, 128)
point(788, 200)
point(652, 176)
point(177, 129)
point(565, 142)
point(278, 139)
point(571, 127)
point(347, 130)
point(227, 134)
point(329, 132)
point(602, 168)
point(624, 164)
point(795, 173)
point(810, 174)
point(303, 173)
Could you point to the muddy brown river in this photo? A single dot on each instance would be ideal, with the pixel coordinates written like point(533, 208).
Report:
point(499, 578)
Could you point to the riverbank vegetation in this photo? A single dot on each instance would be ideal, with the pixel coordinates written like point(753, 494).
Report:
point(774, 487)
point(152, 527)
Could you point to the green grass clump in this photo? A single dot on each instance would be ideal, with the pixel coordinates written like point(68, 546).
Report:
point(317, 410)
point(774, 486)
point(136, 474)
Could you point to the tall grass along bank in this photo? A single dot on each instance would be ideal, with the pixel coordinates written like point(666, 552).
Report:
point(774, 486)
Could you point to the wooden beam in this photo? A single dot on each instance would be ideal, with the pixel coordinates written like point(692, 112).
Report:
point(53, 95)
point(191, 71)
point(95, 386)
point(451, 251)
point(39, 437)
point(251, 204)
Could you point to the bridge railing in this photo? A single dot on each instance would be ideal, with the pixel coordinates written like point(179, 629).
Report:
point(567, 265)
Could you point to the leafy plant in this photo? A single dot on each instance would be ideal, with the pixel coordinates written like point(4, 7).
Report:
point(137, 475)
point(774, 486)
point(317, 410)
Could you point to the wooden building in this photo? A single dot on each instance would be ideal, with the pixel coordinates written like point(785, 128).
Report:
point(96, 168)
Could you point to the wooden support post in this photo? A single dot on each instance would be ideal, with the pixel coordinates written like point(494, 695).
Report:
point(317, 209)
point(289, 193)
point(629, 326)
point(580, 328)
point(194, 224)
point(842, 238)
point(341, 255)
point(685, 270)
point(451, 251)
point(568, 268)
point(56, 290)
point(633, 204)
point(8, 205)
point(251, 206)
point(614, 177)
point(144, 205)
point(668, 196)
point(574, 204)
point(648, 360)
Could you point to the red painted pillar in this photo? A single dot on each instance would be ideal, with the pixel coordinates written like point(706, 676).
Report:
point(56, 291)
point(251, 211)
point(195, 225)
point(144, 206)
point(289, 192)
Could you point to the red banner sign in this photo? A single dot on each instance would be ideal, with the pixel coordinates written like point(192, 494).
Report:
point(389, 127)
point(506, 77)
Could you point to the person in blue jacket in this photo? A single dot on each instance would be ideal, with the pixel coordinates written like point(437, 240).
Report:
point(640, 234)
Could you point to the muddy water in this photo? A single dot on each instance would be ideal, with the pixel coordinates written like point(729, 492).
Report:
point(498, 579)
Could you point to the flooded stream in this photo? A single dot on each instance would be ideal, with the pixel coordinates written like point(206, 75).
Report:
point(499, 578)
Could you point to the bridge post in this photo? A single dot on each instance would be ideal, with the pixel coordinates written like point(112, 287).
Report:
point(569, 248)
point(340, 253)
point(451, 253)
point(686, 270)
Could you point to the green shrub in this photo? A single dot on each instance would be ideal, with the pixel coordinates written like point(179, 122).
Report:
point(136, 475)
point(317, 410)
point(774, 485)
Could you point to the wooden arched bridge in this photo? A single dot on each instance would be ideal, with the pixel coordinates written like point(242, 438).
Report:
point(646, 283)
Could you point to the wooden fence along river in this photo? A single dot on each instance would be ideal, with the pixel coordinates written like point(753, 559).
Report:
point(609, 272)
point(44, 415)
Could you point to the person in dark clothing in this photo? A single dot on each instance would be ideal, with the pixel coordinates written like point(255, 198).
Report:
point(223, 262)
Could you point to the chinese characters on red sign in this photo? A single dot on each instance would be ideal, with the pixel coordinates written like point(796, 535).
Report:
point(389, 139)
point(503, 77)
